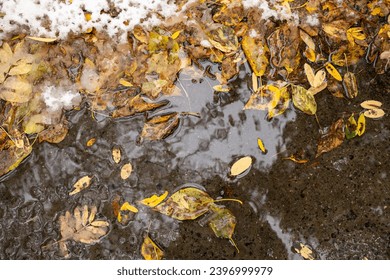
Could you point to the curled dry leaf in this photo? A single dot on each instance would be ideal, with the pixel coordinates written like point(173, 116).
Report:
point(240, 166)
point(223, 223)
point(116, 154)
point(332, 139)
point(186, 204)
point(350, 85)
point(82, 226)
point(81, 184)
point(126, 171)
point(154, 200)
point(305, 251)
point(150, 251)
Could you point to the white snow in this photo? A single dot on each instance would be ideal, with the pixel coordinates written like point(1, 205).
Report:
point(312, 20)
point(57, 99)
point(205, 43)
point(65, 16)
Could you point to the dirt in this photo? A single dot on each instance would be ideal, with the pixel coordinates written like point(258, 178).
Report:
point(337, 204)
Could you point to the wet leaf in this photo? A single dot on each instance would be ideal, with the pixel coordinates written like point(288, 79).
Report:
point(221, 88)
point(295, 159)
point(223, 223)
point(261, 146)
point(82, 226)
point(333, 71)
point(125, 83)
point(81, 184)
point(154, 200)
point(355, 33)
point(307, 39)
point(361, 125)
point(224, 39)
point(22, 67)
point(256, 52)
point(350, 85)
point(240, 166)
point(54, 133)
point(41, 39)
point(303, 100)
point(315, 80)
point(123, 216)
point(116, 154)
point(374, 113)
point(126, 171)
point(255, 84)
point(150, 251)
point(34, 124)
point(16, 89)
point(90, 142)
point(332, 139)
point(351, 127)
point(335, 29)
point(305, 251)
point(185, 204)
point(371, 104)
point(160, 127)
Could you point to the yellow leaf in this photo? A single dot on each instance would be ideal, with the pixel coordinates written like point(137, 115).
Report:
point(16, 89)
point(175, 34)
point(255, 84)
point(81, 184)
point(256, 53)
point(294, 159)
point(126, 171)
point(41, 39)
point(154, 200)
point(240, 166)
point(150, 251)
point(371, 104)
point(128, 207)
point(309, 74)
point(261, 145)
point(20, 69)
point(34, 124)
point(374, 113)
point(221, 88)
point(333, 71)
point(125, 83)
point(303, 100)
point(307, 39)
point(305, 251)
point(88, 16)
point(361, 125)
point(310, 54)
point(90, 142)
point(357, 33)
point(116, 155)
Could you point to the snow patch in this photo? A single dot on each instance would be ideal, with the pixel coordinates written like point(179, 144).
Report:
point(205, 43)
point(57, 99)
point(312, 20)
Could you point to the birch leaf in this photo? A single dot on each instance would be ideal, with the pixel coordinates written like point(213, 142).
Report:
point(333, 71)
point(16, 90)
point(374, 113)
point(240, 166)
point(256, 53)
point(154, 200)
point(185, 204)
point(81, 184)
point(150, 251)
point(80, 229)
point(116, 154)
point(303, 100)
point(361, 125)
point(42, 39)
point(126, 171)
point(371, 104)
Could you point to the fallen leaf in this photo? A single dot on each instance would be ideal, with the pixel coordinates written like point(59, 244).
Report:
point(150, 251)
point(361, 125)
point(82, 226)
point(90, 142)
point(240, 166)
point(305, 251)
point(256, 52)
point(116, 154)
point(123, 215)
point(332, 139)
point(350, 85)
point(371, 104)
point(351, 127)
point(41, 39)
point(333, 71)
point(303, 100)
point(295, 159)
point(54, 133)
point(81, 184)
point(185, 204)
point(160, 127)
point(307, 39)
point(255, 84)
point(223, 223)
point(355, 33)
point(125, 83)
point(16, 89)
point(374, 113)
point(154, 200)
point(126, 171)
point(261, 146)
point(221, 88)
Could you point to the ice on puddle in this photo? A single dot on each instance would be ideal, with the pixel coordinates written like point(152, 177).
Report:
point(57, 99)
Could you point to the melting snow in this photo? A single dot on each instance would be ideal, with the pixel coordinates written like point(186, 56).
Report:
point(56, 98)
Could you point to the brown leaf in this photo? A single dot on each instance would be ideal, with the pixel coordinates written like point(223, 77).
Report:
point(160, 127)
point(150, 251)
point(332, 139)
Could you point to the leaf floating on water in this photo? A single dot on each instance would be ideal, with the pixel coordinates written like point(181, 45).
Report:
point(256, 52)
point(126, 207)
point(160, 127)
point(154, 200)
point(90, 142)
point(332, 139)
point(41, 39)
point(303, 100)
point(186, 204)
point(221, 88)
point(82, 226)
point(150, 251)
point(223, 223)
point(81, 184)
point(126, 171)
point(305, 251)
point(333, 71)
point(361, 125)
point(116, 154)
point(261, 146)
point(240, 166)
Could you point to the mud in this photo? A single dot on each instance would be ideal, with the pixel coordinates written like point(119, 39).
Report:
point(338, 204)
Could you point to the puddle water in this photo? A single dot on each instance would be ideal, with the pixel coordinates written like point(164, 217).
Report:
point(279, 208)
